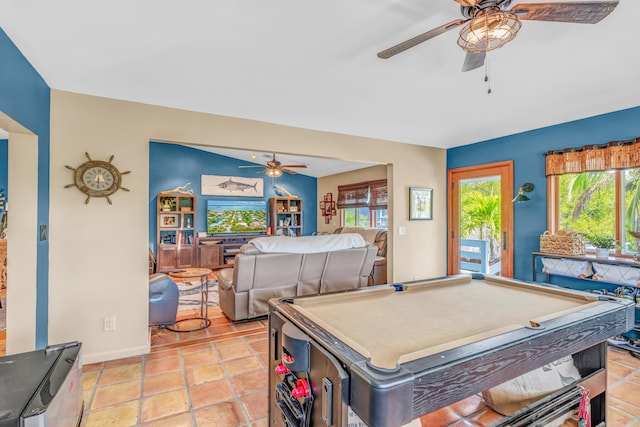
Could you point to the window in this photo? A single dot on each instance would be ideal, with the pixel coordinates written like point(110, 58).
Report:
point(596, 191)
point(585, 202)
point(363, 204)
point(364, 217)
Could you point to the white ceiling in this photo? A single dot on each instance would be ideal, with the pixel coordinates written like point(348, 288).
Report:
point(314, 64)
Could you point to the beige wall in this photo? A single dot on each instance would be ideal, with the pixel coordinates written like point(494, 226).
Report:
point(329, 184)
point(98, 264)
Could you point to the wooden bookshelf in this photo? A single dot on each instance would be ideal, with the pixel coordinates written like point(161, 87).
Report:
point(285, 216)
point(176, 237)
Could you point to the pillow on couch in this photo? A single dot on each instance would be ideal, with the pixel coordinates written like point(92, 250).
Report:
point(309, 244)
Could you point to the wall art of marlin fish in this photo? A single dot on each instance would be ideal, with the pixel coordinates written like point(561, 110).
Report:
point(232, 185)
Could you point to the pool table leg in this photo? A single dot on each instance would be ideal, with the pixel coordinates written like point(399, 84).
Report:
point(587, 362)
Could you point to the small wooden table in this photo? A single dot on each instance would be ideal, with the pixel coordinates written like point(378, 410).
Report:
point(202, 274)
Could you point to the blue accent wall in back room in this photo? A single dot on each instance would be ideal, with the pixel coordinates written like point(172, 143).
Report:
point(26, 98)
point(527, 152)
point(173, 165)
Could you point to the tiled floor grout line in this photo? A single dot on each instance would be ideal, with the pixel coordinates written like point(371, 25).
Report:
point(142, 377)
point(94, 390)
point(233, 387)
point(257, 356)
point(192, 411)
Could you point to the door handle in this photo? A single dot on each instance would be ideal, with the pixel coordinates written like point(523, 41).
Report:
point(504, 240)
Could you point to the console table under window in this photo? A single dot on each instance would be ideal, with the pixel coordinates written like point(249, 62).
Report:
point(621, 272)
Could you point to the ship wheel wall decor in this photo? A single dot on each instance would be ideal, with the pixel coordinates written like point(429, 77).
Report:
point(97, 178)
point(328, 208)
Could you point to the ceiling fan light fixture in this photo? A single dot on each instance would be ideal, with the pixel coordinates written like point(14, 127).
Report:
point(273, 172)
point(488, 30)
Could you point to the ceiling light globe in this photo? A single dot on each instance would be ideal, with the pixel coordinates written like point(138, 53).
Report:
point(489, 30)
point(273, 173)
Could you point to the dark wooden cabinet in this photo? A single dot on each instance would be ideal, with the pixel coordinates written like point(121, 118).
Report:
point(220, 251)
point(209, 255)
point(176, 237)
point(285, 216)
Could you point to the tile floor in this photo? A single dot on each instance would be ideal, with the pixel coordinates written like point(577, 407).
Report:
point(218, 377)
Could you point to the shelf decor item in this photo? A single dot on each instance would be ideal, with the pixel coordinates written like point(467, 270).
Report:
point(602, 244)
point(565, 242)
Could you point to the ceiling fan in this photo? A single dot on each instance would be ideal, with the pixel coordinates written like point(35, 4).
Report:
point(490, 24)
point(274, 168)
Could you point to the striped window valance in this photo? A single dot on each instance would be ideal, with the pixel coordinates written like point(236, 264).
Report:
point(368, 194)
point(591, 158)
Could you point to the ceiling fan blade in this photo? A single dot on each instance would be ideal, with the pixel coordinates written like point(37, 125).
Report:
point(291, 171)
point(581, 12)
point(293, 166)
point(408, 44)
point(473, 60)
point(251, 166)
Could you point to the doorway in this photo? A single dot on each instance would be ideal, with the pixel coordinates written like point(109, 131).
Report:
point(22, 188)
point(480, 218)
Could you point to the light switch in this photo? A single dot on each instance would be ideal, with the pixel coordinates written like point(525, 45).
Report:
point(402, 230)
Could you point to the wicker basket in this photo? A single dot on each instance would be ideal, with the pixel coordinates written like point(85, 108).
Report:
point(563, 243)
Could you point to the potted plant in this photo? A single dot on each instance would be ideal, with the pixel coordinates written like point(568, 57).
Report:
point(602, 243)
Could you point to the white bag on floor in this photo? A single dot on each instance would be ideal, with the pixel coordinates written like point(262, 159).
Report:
point(519, 392)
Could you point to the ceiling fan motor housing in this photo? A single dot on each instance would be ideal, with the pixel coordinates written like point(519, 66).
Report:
point(472, 11)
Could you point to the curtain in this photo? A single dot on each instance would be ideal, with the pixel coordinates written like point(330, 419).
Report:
point(368, 194)
point(590, 158)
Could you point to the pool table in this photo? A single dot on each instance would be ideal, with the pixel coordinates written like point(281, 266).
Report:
point(391, 353)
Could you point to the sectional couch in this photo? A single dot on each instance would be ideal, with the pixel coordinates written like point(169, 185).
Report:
point(261, 273)
point(376, 237)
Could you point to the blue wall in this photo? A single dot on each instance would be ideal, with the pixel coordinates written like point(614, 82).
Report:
point(527, 152)
point(172, 165)
point(25, 97)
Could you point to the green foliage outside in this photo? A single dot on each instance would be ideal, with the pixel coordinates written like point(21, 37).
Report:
point(587, 205)
point(480, 213)
point(350, 217)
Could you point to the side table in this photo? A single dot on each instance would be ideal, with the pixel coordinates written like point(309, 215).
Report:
point(202, 274)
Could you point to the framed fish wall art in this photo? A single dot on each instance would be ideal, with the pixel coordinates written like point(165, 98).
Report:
point(218, 185)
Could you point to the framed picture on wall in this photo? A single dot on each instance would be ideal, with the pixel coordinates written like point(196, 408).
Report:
point(218, 185)
point(168, 220)
point(420, 203)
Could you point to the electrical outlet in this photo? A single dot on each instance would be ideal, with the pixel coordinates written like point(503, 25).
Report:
point(110, 324)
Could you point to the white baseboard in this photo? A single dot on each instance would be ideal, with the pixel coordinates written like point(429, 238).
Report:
point(87, 359)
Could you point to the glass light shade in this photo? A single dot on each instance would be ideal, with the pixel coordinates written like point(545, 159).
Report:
point(273, 172)
point(489, 30)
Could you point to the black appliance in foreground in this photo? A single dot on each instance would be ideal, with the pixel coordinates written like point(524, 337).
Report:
point(42, 387)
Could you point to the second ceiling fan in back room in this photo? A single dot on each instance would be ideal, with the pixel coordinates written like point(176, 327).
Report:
point(490, 24)
point(274, 168)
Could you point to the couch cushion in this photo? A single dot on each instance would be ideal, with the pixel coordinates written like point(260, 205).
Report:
point(369, 234)
point(309, 244)
point(373, 236)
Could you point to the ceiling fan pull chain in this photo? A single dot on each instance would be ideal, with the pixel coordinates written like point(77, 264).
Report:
point(486, 73)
